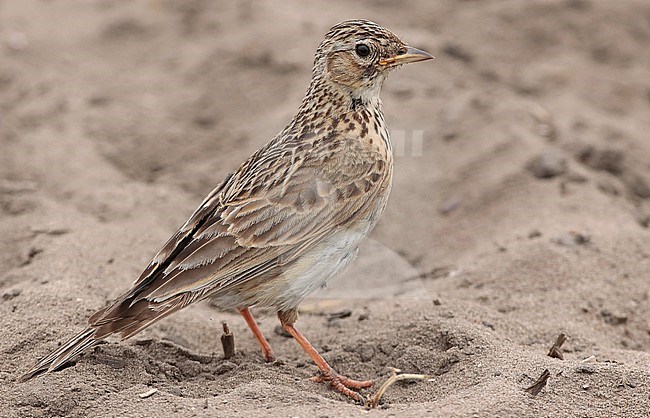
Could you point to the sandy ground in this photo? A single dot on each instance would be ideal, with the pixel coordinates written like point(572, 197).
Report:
point(520, 207)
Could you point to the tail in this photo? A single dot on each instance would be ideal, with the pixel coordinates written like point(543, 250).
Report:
point(67, 352)
point(123, 317)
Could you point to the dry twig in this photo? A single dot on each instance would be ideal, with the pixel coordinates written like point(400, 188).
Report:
point(539, 384)
point(373, 401)
point(227, 341)
point(556, 348)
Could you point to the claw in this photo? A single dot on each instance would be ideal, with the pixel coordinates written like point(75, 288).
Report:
point(344, 384)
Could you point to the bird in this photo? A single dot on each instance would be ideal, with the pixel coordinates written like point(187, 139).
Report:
point(289, 219)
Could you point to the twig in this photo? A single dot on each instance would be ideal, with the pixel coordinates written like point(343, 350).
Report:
point(227, 341)
point(373, 401)
point(539, 384)
point(556, 348)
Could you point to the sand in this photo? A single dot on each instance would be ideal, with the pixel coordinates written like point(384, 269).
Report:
point(520, 206)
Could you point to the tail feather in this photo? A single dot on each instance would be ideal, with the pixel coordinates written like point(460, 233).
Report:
point(67, 352)
point(121, 318)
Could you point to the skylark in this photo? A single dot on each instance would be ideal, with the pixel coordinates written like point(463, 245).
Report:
point(289, 218)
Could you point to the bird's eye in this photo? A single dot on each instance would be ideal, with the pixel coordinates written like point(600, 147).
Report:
point(362, 50)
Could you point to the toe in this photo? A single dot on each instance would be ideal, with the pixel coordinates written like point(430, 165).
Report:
point(355, 384)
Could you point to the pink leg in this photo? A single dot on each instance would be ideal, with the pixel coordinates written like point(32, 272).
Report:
point(266, 347)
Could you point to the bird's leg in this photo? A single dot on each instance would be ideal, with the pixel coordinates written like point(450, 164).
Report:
point(266, 347)
point(327, 374)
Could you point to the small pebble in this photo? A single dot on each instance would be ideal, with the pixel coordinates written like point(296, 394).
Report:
point(613, 318)
point(571, 239)
point(605, 160)
point(148, 393)
point(449, 205)
point(535, 233)
point(345, 313)
point(585, 368)
point(16, 41)
point(608, 187)
point(548, 164)
point(11, 294)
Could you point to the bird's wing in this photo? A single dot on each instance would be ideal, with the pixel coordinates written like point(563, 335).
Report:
point(263, 218)
point(184, 233)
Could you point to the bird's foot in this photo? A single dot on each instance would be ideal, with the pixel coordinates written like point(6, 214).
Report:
point(343, 384)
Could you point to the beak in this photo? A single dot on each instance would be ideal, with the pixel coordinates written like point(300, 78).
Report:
point(411, 55)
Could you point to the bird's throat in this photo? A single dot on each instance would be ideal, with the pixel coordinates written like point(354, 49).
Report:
point(325, 101)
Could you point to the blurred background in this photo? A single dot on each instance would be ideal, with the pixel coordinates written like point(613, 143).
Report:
point(520, 205)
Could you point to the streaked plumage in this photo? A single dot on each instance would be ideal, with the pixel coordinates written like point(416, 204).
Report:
point(289, 218)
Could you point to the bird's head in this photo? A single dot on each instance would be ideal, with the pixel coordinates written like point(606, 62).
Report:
point(356, 55)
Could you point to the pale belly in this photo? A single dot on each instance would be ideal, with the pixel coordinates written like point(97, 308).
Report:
point(318, 266)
